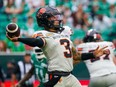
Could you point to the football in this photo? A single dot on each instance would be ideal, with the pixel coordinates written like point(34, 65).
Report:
point(13, 30)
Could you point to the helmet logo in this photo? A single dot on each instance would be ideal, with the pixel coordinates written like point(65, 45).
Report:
point(98, 36)
point(42, 10)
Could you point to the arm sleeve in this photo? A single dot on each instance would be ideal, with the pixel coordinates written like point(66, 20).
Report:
point(33, 41)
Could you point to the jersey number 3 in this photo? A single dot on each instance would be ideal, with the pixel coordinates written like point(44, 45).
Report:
point(66, 44)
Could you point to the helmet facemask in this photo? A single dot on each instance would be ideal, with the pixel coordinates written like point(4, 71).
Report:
point(55, 22)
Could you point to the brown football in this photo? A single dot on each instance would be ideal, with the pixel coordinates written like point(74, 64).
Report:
point(13, 30)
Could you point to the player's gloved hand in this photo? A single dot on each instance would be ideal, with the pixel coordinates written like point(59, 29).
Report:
point(14, 39)
point(17, 85)
point(100, 51)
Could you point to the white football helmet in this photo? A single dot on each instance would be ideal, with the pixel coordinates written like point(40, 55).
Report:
point(38, 52)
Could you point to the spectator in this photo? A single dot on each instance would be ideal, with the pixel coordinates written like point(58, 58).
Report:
point(104, 6)
point(18, 3)
point(112, 13)
point(85, 3)
point(111, 1)
point(35, 5)
point(87, 20)
point(2, 78)
point(30, 27)
point(101, 22)
point(67, 21)
point(17, 47)
point(94, 8)
point(10, 70)
point(66, 11)
point(24, 67)
point(11, 8)
point(77, 18)
point(12, 73)
point(3, 46)
point(1, 3)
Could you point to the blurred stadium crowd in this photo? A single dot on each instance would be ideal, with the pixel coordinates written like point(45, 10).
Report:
point(80, 15)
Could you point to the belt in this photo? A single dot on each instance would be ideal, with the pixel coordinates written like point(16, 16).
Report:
point(60, 73)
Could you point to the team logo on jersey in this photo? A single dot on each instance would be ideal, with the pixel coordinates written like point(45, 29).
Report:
point(49, 34)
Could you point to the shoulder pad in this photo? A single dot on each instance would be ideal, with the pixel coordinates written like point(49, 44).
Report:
point(67, 30)
point(41, 33)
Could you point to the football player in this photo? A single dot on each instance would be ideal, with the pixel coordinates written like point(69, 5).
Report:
point(56, 47)
point(102, 69)
point(39, 66)
point(39, 61)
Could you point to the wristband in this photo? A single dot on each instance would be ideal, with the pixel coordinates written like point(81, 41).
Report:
point(86, 56)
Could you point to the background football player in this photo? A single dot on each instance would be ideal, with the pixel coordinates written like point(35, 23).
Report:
point(39, 66)
point(102, 69)
point(40, 63)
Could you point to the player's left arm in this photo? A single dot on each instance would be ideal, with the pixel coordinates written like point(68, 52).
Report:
point(78, 56)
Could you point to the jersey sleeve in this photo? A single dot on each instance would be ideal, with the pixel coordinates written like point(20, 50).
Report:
point(79, 48)
point(82, 48)
point(42, 35)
